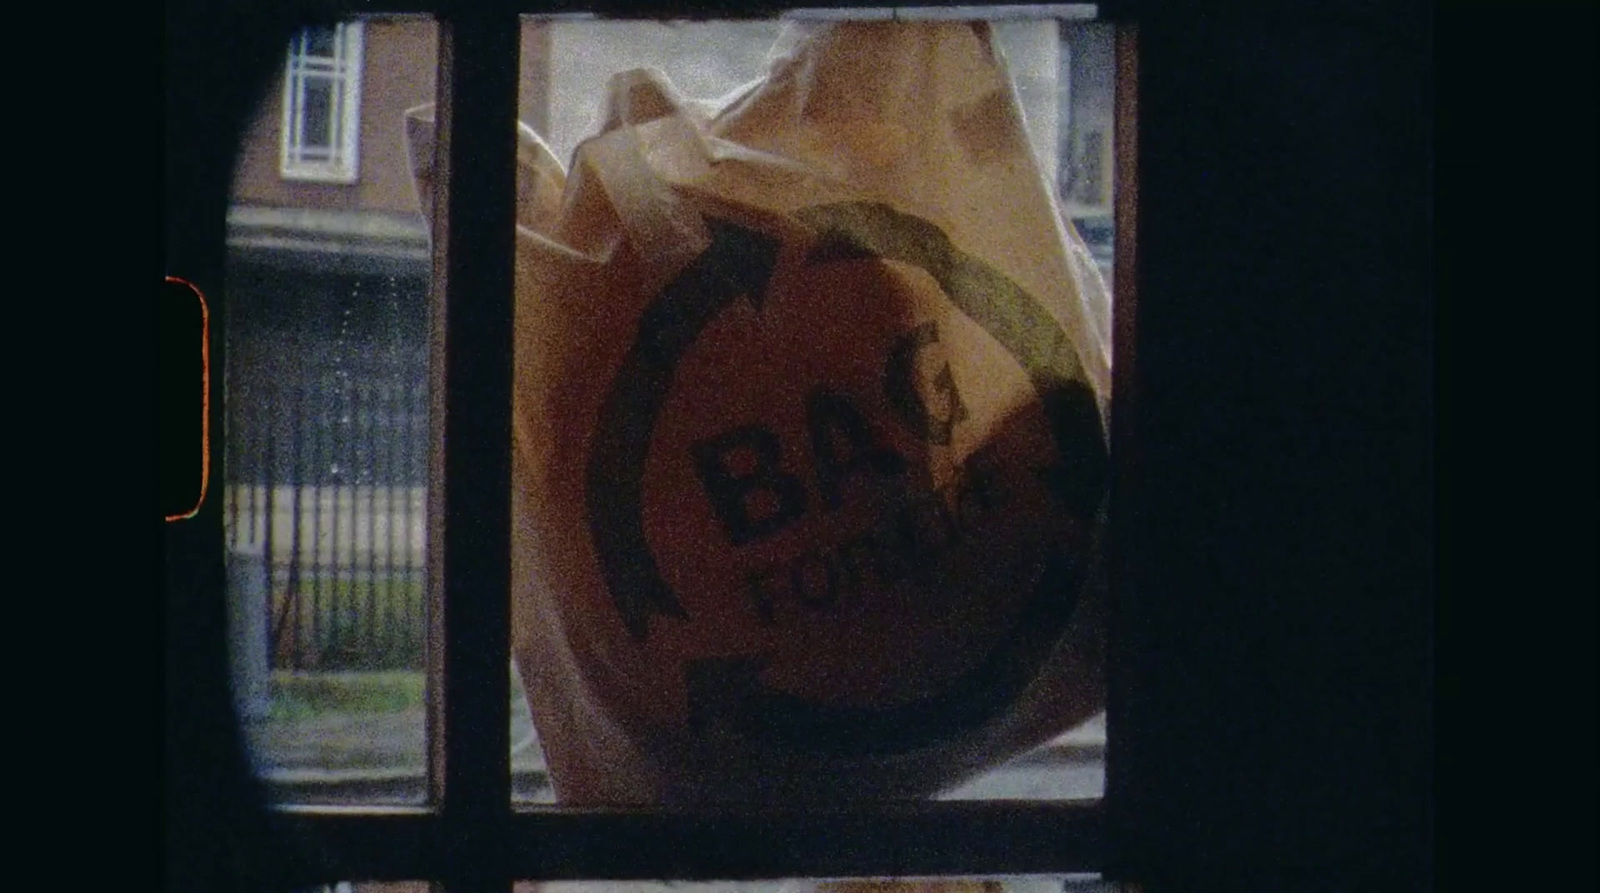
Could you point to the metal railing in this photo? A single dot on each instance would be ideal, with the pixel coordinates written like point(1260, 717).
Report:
point(325, 509)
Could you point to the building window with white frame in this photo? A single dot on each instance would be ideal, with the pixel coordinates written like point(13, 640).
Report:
point(322, 105)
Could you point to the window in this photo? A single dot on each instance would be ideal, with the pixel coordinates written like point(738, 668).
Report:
point(327, 407)
point(322, 104)
point(1214, 748)
point(1056, 835)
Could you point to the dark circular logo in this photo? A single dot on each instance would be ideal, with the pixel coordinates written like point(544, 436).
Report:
point(738, 265)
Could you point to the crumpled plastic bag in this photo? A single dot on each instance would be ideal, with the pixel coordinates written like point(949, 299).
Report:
point(809, 460)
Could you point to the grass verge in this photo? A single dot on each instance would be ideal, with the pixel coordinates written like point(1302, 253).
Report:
point(306, 695)
point(297, 696)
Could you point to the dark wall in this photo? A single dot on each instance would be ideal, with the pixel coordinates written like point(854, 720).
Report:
point(1271, 711)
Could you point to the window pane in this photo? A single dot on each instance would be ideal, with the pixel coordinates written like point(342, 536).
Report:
point(1086, 153)
point(317, 126)
point(326, 433)
point(327, 389)
point(1060, 71)
point(320, 41)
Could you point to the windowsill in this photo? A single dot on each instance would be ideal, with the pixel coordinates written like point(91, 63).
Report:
point(329, 241)
point(321, 179)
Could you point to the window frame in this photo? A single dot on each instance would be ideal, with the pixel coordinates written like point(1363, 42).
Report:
point(1165, 694)
point(470, 836)
point(346, 72)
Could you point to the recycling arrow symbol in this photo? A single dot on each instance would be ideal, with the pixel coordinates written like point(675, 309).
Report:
point(729, 689)
point(738, 264)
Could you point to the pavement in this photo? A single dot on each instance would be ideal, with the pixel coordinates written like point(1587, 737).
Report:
point(381, 757)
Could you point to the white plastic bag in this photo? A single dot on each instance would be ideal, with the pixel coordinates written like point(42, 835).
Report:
point(809, 458)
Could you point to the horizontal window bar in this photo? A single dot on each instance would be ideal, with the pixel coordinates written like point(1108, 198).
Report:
point(553, 843)
point(648, 9)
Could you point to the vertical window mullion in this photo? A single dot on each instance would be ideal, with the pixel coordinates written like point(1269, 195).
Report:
point(352, 69)
point(338, 80)
point(297, 84)
point(1121, 683)
point(469, 509)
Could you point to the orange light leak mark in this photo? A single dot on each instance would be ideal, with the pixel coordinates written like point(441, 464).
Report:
point(205, 399)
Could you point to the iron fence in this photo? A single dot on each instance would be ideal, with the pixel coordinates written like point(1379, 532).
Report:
point(325, 493)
